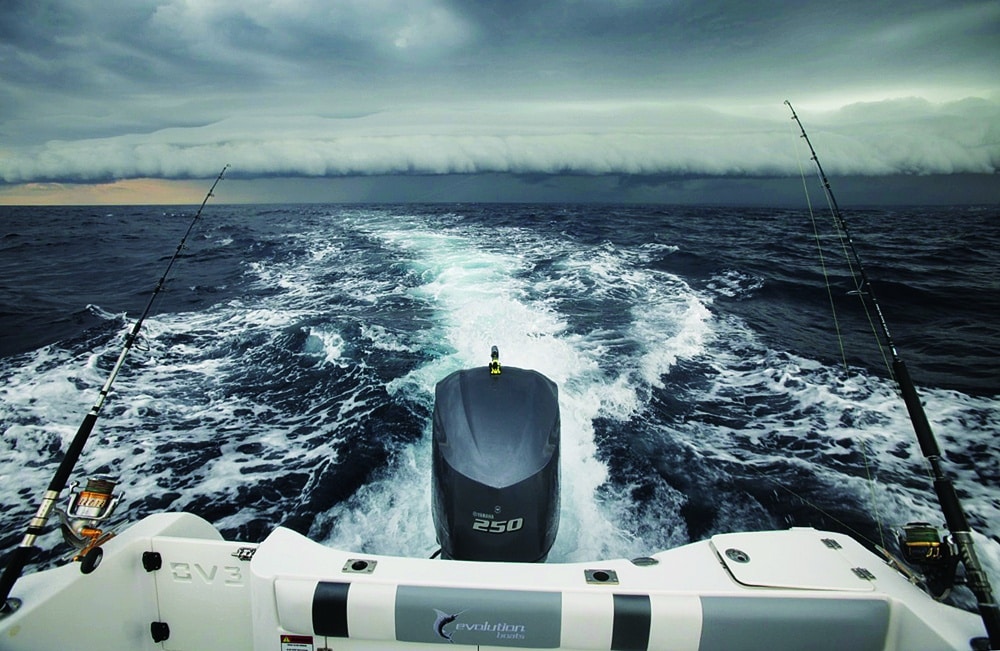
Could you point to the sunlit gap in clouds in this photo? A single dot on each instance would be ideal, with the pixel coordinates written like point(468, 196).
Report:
point(130, 192)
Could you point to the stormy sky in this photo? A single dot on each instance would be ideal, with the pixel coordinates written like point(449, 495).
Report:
point(489, 100)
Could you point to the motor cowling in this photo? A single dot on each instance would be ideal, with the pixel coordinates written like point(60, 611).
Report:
point(496, 464)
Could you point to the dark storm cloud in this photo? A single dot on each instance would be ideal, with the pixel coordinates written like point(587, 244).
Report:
point(176, 88)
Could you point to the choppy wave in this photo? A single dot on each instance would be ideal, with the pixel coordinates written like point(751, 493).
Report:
point(289, 379)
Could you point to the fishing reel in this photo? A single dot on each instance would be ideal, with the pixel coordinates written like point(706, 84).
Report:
point(83, 517)
point(934, 557)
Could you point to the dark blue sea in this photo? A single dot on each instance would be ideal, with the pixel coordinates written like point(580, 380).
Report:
point(285, 375)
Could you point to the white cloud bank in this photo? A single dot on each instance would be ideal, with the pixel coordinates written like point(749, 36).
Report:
point(898, 137)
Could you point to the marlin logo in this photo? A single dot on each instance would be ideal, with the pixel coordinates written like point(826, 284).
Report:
point(443, 619)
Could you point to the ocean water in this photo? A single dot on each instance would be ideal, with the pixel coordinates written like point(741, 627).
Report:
point(286, 374)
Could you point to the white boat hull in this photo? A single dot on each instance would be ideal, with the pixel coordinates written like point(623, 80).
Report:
point(779, 590)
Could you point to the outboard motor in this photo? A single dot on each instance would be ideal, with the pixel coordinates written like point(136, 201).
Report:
point(496, 464)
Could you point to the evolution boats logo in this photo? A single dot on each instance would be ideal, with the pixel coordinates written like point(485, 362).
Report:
point(446, 626)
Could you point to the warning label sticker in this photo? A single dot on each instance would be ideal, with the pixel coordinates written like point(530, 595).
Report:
point(296, 643)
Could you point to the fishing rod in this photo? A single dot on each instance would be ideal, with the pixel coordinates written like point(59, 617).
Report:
point(955, 517)
point(22, 554)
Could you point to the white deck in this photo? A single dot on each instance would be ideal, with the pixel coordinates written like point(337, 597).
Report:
point(768, 590)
